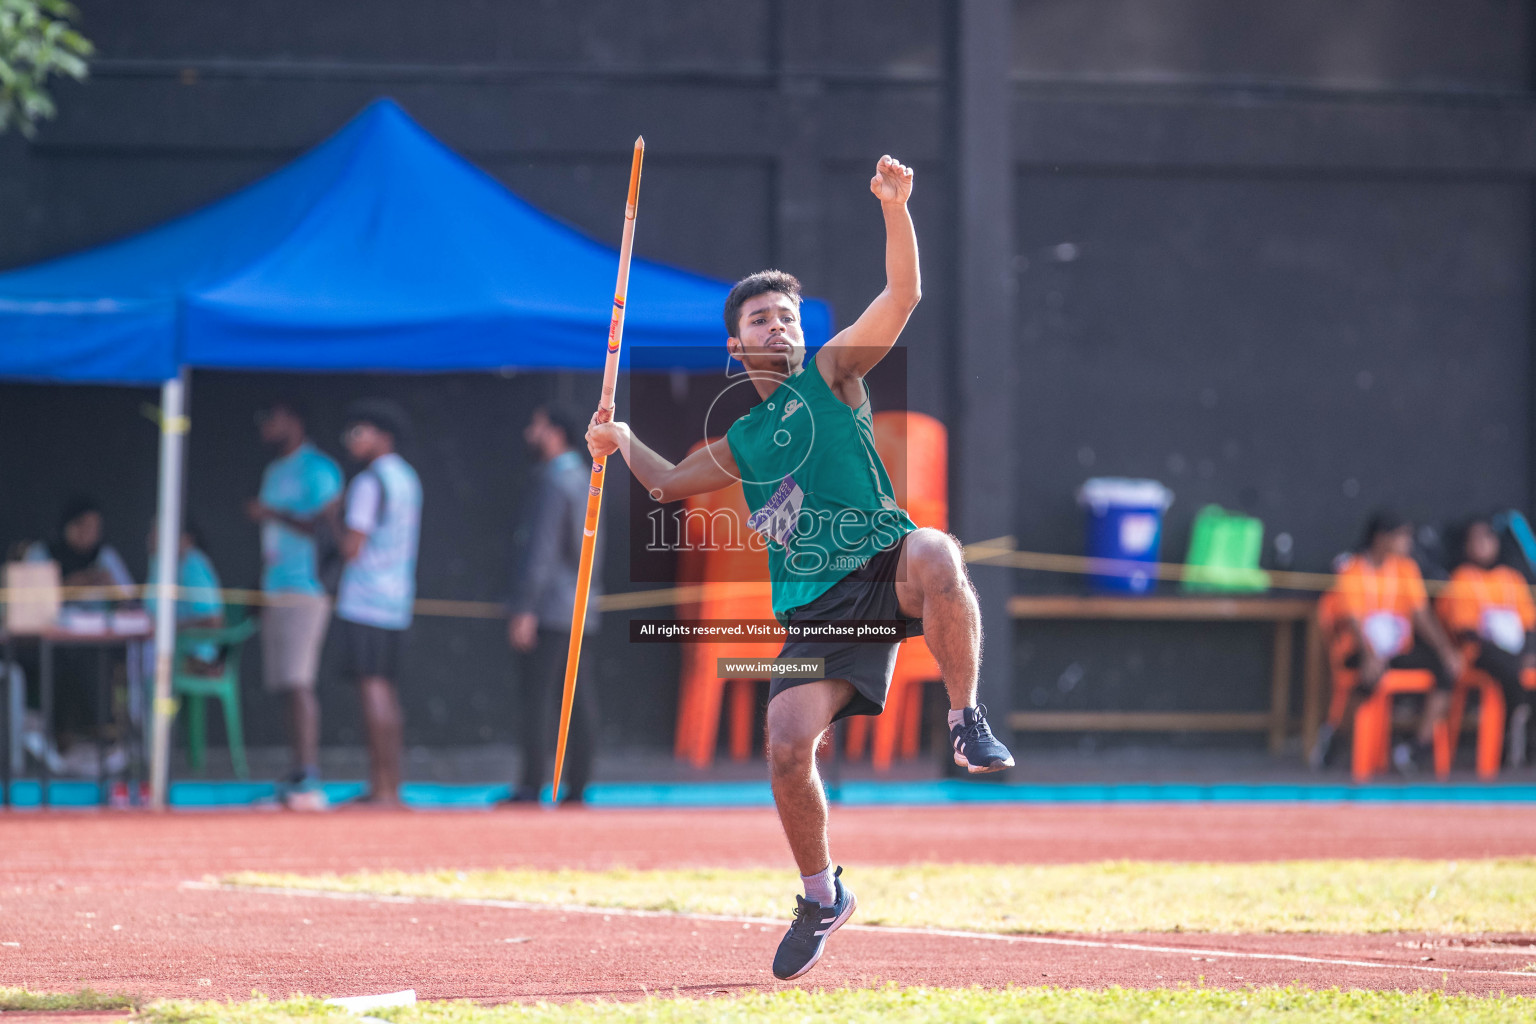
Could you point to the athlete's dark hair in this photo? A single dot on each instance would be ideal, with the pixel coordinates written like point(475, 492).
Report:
point(751, 287)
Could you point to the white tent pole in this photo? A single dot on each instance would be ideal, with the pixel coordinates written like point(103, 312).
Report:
point(173, 429)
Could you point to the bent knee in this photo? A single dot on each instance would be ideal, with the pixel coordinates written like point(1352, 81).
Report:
point(933, 547)
point(788, 749)
point(934, 554)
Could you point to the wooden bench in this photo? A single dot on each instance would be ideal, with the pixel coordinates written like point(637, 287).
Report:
point(1284, 612)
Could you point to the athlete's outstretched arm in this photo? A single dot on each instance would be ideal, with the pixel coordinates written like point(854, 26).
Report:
point(858, 347)
point(708, 469)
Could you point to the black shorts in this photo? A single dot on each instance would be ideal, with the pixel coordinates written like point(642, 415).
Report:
point(868, 593)
point(369, 650)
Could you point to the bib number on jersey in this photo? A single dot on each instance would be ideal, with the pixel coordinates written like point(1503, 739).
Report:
point(776, 520)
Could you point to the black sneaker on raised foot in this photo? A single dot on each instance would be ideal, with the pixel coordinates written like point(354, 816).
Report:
point(806, 939)
point(976, 749)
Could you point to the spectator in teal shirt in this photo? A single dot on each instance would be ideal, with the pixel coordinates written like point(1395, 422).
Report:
point(299, 492)
point(200, 602)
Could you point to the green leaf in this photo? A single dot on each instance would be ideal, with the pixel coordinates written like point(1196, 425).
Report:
point(37, 43)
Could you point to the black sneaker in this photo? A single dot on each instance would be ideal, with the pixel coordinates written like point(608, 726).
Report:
point(806, 939)
point(976, 749)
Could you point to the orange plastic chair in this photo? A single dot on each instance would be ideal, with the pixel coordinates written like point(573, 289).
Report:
point(902, 721)
point(1373, 725)
point(737, 590)
point(702, 693)
point(899, 729)
point(856, 735)
point(1371, 742)
point(1491, 714)
point(1372, 733)
point(1339, 647)
point(915, 450)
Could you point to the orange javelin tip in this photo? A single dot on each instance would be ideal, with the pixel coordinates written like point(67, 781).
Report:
point(634, 171)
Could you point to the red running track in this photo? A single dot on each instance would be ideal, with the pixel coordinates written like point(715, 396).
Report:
point(101, 899)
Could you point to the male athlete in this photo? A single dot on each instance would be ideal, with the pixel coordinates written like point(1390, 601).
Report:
point(839, 547)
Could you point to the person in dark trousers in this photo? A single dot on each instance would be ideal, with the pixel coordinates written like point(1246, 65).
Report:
point(377, 594)
point(543, 595)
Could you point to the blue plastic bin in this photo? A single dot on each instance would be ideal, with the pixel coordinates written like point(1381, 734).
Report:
point(1123, 521)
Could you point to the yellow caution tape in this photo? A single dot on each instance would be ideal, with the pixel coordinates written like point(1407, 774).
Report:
point(171, 425)
point(999, 552)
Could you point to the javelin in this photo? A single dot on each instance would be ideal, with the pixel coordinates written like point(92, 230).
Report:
point(595, 487)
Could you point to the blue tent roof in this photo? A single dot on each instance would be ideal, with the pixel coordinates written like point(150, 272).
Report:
point(379, 249)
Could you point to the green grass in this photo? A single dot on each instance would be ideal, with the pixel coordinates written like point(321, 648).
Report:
point(296, 1010)
point(919, 1006)
point(85, 999)
point(1339, 896)
point(1258, 1005)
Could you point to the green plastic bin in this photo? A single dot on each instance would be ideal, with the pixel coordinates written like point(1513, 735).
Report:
point(1224, 549)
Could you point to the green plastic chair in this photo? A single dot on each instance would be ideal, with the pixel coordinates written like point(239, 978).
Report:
point(195, 690)
point(1224, 550)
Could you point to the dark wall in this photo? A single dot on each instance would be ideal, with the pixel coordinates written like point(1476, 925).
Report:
point(1274, 257)
point(1364, 44)
point(1277, 255)
point(1390, 367)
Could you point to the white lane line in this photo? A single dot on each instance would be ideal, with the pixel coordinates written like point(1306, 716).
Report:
point(942, 933)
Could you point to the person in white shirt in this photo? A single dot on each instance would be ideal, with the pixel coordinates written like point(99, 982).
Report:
point(374, 601)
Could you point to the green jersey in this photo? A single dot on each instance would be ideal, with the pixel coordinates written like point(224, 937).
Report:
point(817, 490)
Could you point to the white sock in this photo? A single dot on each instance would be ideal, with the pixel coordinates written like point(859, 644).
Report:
point(819, 888)
point(957, 717)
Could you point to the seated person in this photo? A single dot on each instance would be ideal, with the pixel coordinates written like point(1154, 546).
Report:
point(1487, 608)
point(1382, 606)
point(199, 604)
point(84, 558)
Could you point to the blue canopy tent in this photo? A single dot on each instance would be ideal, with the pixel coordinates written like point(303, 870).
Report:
point(378, 250)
